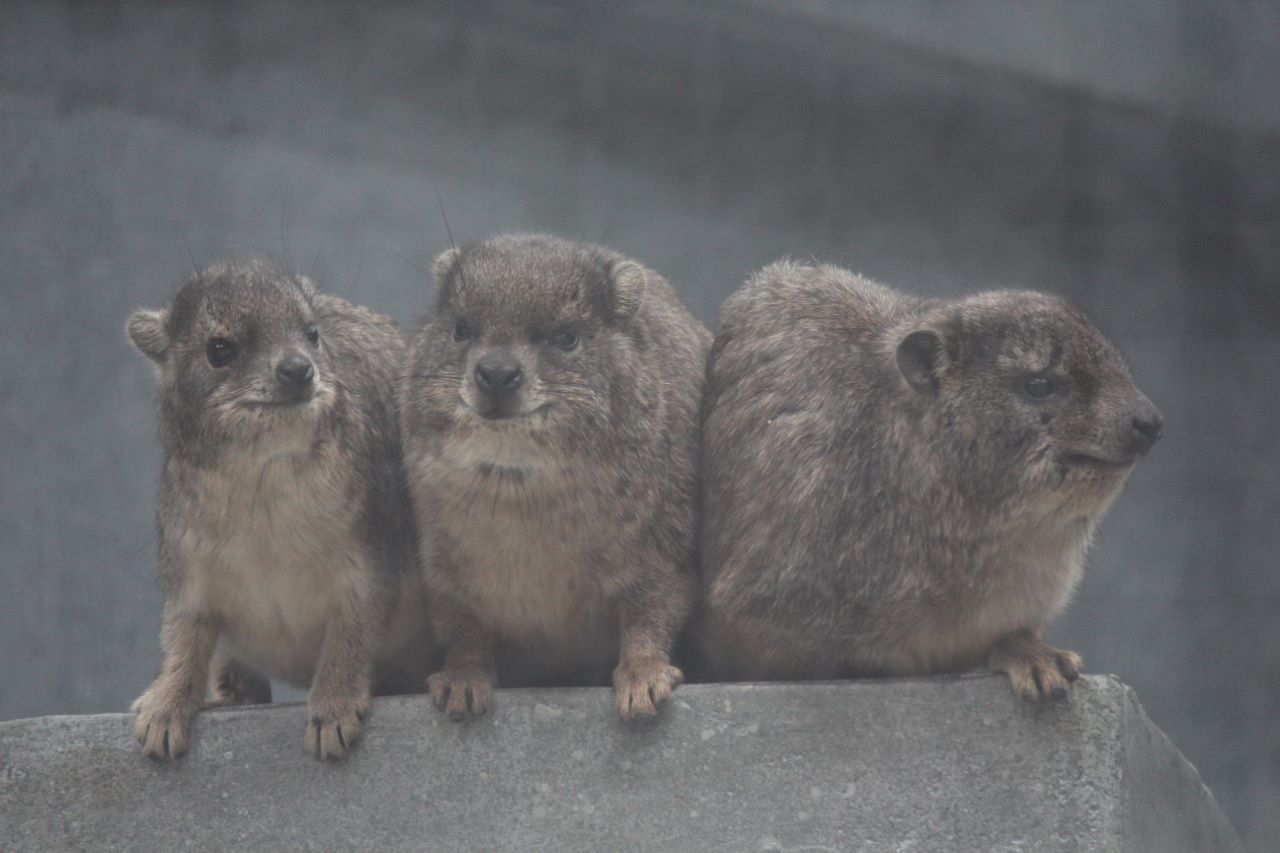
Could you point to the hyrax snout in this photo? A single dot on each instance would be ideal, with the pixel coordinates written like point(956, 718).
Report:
point(286, 543)
point(551, 421)
point(905, 486)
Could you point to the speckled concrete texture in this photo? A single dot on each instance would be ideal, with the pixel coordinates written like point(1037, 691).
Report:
point(935, 764)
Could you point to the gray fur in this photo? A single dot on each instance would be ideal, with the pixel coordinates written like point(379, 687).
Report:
point(559, 540)
point(881, 496)
point(286, 542)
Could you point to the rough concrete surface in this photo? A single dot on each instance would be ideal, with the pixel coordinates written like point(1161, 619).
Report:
point(935, 764)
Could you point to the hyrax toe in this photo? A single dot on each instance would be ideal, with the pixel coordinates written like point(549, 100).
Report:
point(1037, 671)
point(639, 687)
point(461, 695)
point(237, 684)
point(333, 726)
point(1069, 664)
point(163, 725)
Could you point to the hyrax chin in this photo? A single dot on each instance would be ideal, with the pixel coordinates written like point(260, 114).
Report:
point(551, 437)
point(900, 486)
point(286, 542)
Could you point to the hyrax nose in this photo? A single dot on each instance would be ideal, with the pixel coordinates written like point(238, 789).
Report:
point(498, 373)
point(295, 372)
point(1148, 426)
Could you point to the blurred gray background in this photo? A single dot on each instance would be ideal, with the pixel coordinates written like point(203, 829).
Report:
point(1124, 155)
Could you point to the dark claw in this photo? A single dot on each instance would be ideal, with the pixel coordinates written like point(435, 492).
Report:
point(1039, 679)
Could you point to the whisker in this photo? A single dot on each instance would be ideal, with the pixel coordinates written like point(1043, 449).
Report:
point(408, 261)
point(449, 231)
point(316, 258)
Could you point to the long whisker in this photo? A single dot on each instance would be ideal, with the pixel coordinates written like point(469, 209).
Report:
point(284, 234)
point(408, 261)
point(316, 258)
point(449, 231)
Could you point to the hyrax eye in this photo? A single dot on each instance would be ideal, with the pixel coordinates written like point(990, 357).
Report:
point(462, 331)
point(565, 339)
point(220, 352)
point(1039, 387)
point(313, 334)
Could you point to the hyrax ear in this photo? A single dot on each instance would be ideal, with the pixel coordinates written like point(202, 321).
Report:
point(629, 283)
point(146, 330)
point(922, 357)
point(446, 262)
point(307, 286)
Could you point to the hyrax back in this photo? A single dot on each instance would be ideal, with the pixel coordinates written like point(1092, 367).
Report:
point(286, 539)
point(902, 486)
point(551, 427)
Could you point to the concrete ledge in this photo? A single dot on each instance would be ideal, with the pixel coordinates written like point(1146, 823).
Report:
point(934, 764)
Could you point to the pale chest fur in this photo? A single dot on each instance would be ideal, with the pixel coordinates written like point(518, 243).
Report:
point(1022, 582)
point(533, 548)
point(264, 549)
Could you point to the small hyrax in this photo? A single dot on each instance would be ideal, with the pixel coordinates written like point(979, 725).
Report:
point(551, 438)
point(286, 539)
point(900, 486)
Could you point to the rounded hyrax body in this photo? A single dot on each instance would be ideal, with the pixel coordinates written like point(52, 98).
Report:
point(551, 433)
point(286, 538)
point(903, 486)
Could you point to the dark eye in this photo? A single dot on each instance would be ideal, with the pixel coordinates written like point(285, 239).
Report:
point(1039, 387)
point(312, 333)
point(565, 339)
point(462, 331)
point(220, 352)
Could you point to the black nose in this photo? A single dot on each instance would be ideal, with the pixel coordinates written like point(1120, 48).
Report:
point(294, 371)
point(1148, 426)
point(498, 373)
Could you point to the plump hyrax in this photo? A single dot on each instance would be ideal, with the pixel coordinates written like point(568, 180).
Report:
point(286, 539)
point(900, 486)
point(551, 437)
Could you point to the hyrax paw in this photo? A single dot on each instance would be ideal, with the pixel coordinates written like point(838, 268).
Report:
point(639, 686)
point(334, 725)
point(1039, 672)
point(238, 686)
point(163, 725)
point(461, 693)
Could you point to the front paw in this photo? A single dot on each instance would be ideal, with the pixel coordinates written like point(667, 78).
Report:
point(334, 723)
point(1037, 671)
point(461, 693)
point(639, 686)
point(163, 724)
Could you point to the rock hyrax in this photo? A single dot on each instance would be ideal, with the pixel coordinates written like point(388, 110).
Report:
point(286, 538)
point(551, 437)
point(901, 486)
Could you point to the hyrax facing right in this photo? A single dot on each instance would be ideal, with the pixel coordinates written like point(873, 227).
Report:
point(286, 541)
point(551, 438)
point(901, 486)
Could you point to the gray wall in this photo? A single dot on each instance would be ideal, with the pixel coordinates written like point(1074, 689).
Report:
point(1122, 156)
